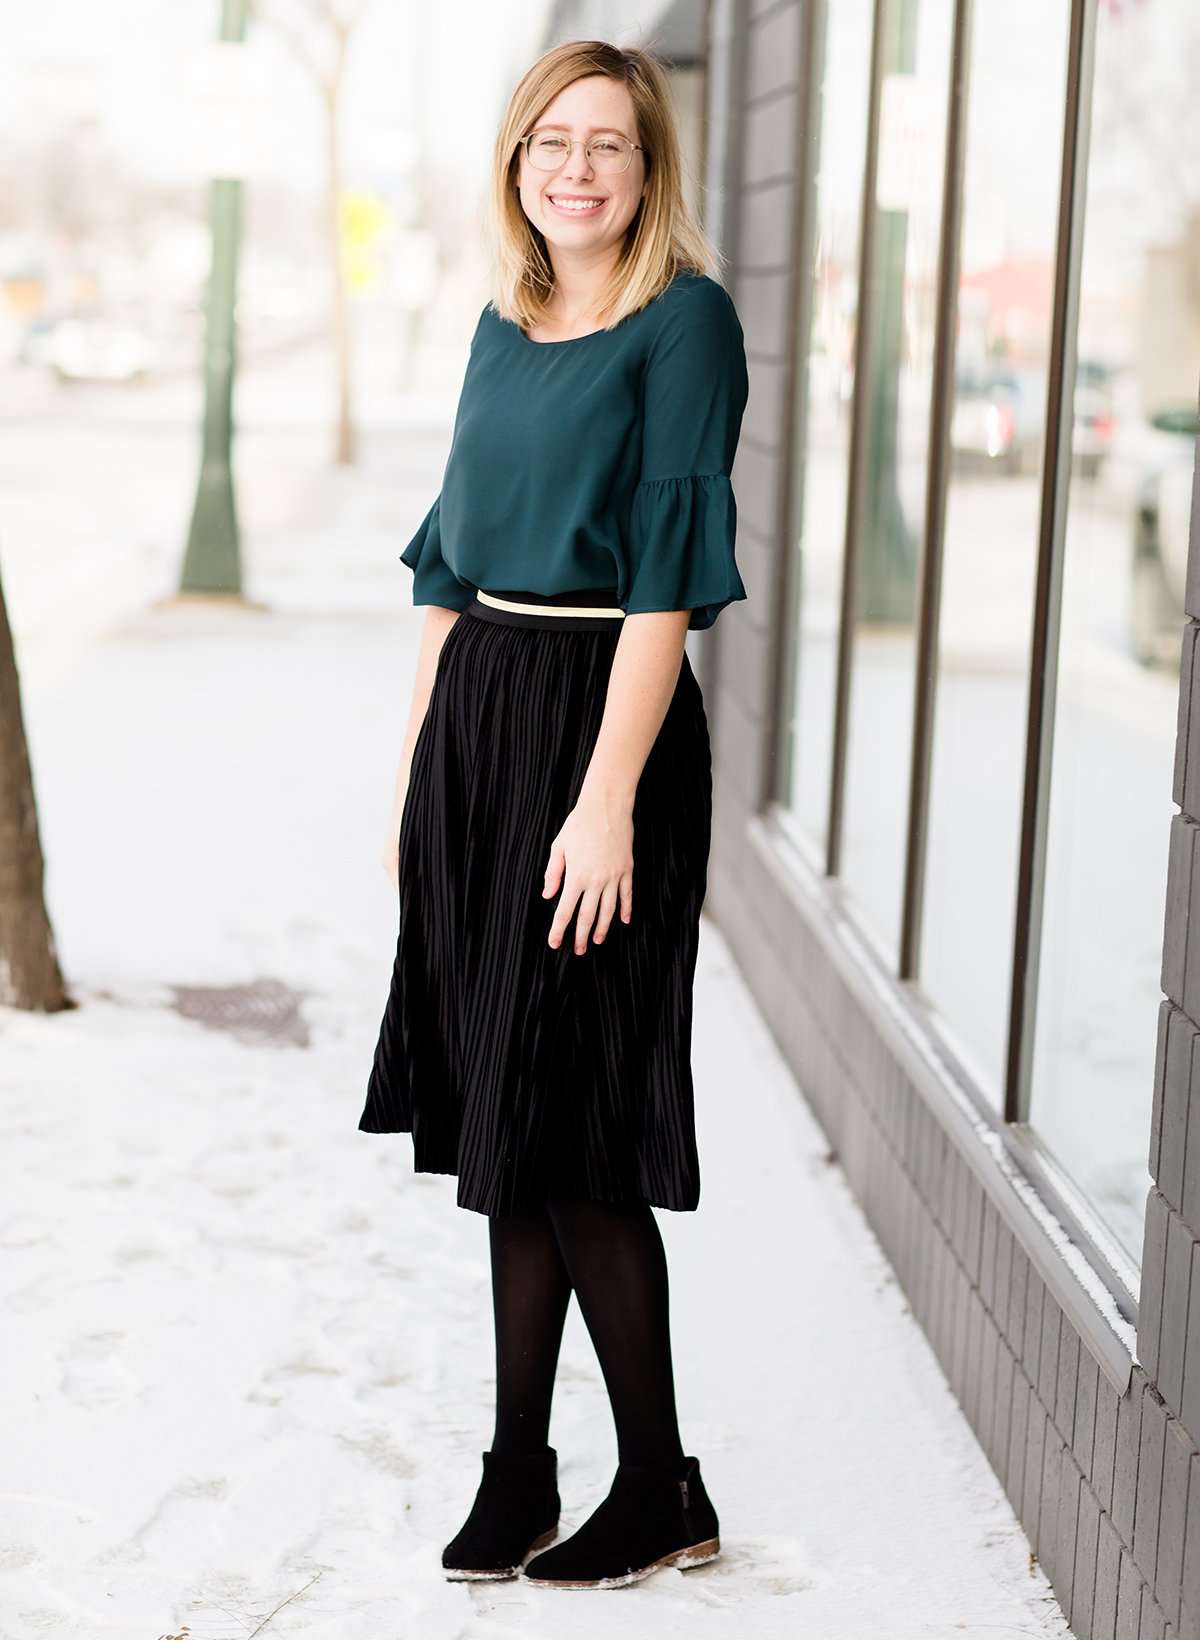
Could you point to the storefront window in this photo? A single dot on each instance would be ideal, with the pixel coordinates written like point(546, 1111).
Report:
point(1011, 180)
point(1123, 591)
point(903, 323)
point(820, 465)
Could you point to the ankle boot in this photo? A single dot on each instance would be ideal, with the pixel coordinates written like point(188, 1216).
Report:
point(515, 1512)
point(654, 1515)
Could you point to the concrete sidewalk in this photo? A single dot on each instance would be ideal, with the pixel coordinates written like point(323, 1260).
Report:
point(249, 1368)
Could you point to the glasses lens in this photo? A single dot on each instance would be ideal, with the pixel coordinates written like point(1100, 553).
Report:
point(609, 153)
point(547, 150)
point(606, 153)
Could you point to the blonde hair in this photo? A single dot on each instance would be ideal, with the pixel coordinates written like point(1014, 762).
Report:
point(663, 238)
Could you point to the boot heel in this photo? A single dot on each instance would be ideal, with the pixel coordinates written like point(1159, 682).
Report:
point(541, 1542)
point(697, 1555)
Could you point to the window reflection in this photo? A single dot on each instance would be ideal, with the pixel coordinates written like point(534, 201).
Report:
point(904, 317)
point(1126, 548)
point(820, 465)
point(1012, 164)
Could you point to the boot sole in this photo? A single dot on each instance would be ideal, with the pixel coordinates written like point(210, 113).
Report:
point(698, 1555)
point(464, 1574)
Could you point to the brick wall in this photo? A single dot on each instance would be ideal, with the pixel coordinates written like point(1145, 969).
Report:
point(1106, 1485)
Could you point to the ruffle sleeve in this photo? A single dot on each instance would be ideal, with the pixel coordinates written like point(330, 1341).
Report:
point(683, 517)
point(434, 582)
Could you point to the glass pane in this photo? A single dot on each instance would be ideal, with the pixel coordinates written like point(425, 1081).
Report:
point(904, 315)
point(1013, 157)
point(1126, 545)
point(821, 460)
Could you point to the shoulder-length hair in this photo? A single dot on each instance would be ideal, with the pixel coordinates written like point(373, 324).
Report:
point(663, 238)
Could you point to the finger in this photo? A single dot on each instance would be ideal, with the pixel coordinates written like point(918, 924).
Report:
point(587, 915)
point(562, 913)
point(627, 896)
point(552, 876)
point(608, 904)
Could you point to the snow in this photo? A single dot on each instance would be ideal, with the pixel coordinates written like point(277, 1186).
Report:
point(248, 1371)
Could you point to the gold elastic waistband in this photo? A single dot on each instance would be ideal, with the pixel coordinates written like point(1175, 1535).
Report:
point(546, 609)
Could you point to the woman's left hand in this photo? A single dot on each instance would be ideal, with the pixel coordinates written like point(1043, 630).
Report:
point(594, 849)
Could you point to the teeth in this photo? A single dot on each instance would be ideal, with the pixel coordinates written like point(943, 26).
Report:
point(577, 205)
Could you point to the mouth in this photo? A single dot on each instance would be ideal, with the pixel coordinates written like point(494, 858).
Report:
point(576, 204)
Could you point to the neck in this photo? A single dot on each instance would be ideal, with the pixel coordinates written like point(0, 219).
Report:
point(578, 282)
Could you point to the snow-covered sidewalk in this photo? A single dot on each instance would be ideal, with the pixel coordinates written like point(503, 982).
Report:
point(248, 1364)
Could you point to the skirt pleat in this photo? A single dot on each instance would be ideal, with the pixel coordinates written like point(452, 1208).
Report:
point(529, 1071)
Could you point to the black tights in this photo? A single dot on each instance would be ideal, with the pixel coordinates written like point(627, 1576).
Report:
point(612, 1255)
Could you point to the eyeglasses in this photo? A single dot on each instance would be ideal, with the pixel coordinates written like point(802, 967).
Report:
point(607, 152)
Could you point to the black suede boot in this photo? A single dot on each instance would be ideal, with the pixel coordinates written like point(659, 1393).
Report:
point(654, 1515)
point(515, 1512)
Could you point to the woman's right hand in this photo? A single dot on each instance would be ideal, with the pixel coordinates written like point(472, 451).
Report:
point(390, 858)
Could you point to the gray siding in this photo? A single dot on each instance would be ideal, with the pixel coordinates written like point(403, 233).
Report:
point(1107, 1486)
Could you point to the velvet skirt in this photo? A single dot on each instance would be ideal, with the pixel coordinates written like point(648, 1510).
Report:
point(526, 1070)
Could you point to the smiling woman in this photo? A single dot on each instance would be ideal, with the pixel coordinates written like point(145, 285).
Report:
point(552, 851)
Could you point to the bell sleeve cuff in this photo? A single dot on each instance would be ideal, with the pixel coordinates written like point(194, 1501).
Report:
point(681, 547)
point(434, 582)
point(683, 517)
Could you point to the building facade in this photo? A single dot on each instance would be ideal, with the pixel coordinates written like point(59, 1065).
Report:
point(956, 724)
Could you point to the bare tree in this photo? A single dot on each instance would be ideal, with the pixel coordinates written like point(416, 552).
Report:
point(318, 35)
point(30, 976)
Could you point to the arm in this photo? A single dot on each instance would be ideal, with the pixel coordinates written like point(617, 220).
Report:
point(682, 573)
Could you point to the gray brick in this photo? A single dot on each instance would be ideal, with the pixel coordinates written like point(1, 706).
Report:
point(1067, 1393)
point(1183, 770)
point(1190, 999)
point(1108, 1571)
point(1003, 1278)
point(1083, 1591)
point(1047, 1380)
point(1168, 1573)
point(987, 1256)
point(1179, 1072)
point(973, 1243)
point(1129, 1599)
point(1053, 1457)
point(1070, 1483)
point(1189, 1401)
point(1035, 1450)
point(1154, 1261)
point(1125, 1473)
point(1105, 1444)
point(774, 54)
point(1149, 1484)
point(1018, 1426)
point(1002, 1422)
point(1085, 1414)
point(769, 135)
point(1018, 1288)
point(1165, 1009)
point(1179, 890)
point(1173, 1331)
point(986, 1409)
point(1031, 1347)
point(975, 1326)
point(1153, 1625)
point(1191, 1554)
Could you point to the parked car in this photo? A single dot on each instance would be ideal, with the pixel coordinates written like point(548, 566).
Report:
point(997, 416)
point(98, 349)
point(1092, 431)
point(1161, 521)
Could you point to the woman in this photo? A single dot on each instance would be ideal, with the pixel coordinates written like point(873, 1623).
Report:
point(535, 1042)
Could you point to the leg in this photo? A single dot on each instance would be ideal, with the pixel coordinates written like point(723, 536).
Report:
point(618, 1267)
point(530, 1293)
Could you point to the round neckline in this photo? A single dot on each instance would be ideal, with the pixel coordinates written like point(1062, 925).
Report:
point(565, 341)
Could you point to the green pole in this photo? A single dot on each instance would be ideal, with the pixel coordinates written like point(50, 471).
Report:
point(212, 562)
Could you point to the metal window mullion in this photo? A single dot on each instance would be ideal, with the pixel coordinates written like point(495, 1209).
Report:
point(1047, 611)
point(941, 410)
point(856, 473)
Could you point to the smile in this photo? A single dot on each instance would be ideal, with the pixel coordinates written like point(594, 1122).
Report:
point(575, 207)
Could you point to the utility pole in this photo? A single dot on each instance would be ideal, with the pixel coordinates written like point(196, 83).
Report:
point(212, 561)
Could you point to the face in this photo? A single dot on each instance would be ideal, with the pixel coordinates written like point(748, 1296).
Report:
point(585, 232)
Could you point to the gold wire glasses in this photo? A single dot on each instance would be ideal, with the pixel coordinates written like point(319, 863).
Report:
point(608, 152)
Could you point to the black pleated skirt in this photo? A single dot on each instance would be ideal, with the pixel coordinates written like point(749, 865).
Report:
point(526, 1070)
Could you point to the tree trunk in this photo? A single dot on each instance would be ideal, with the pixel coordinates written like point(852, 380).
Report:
point(30, 976)
point(345, 450)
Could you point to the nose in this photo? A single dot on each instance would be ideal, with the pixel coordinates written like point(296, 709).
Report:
point(576, 164)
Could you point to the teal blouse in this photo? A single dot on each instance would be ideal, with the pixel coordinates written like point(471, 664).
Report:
point(599, 462)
